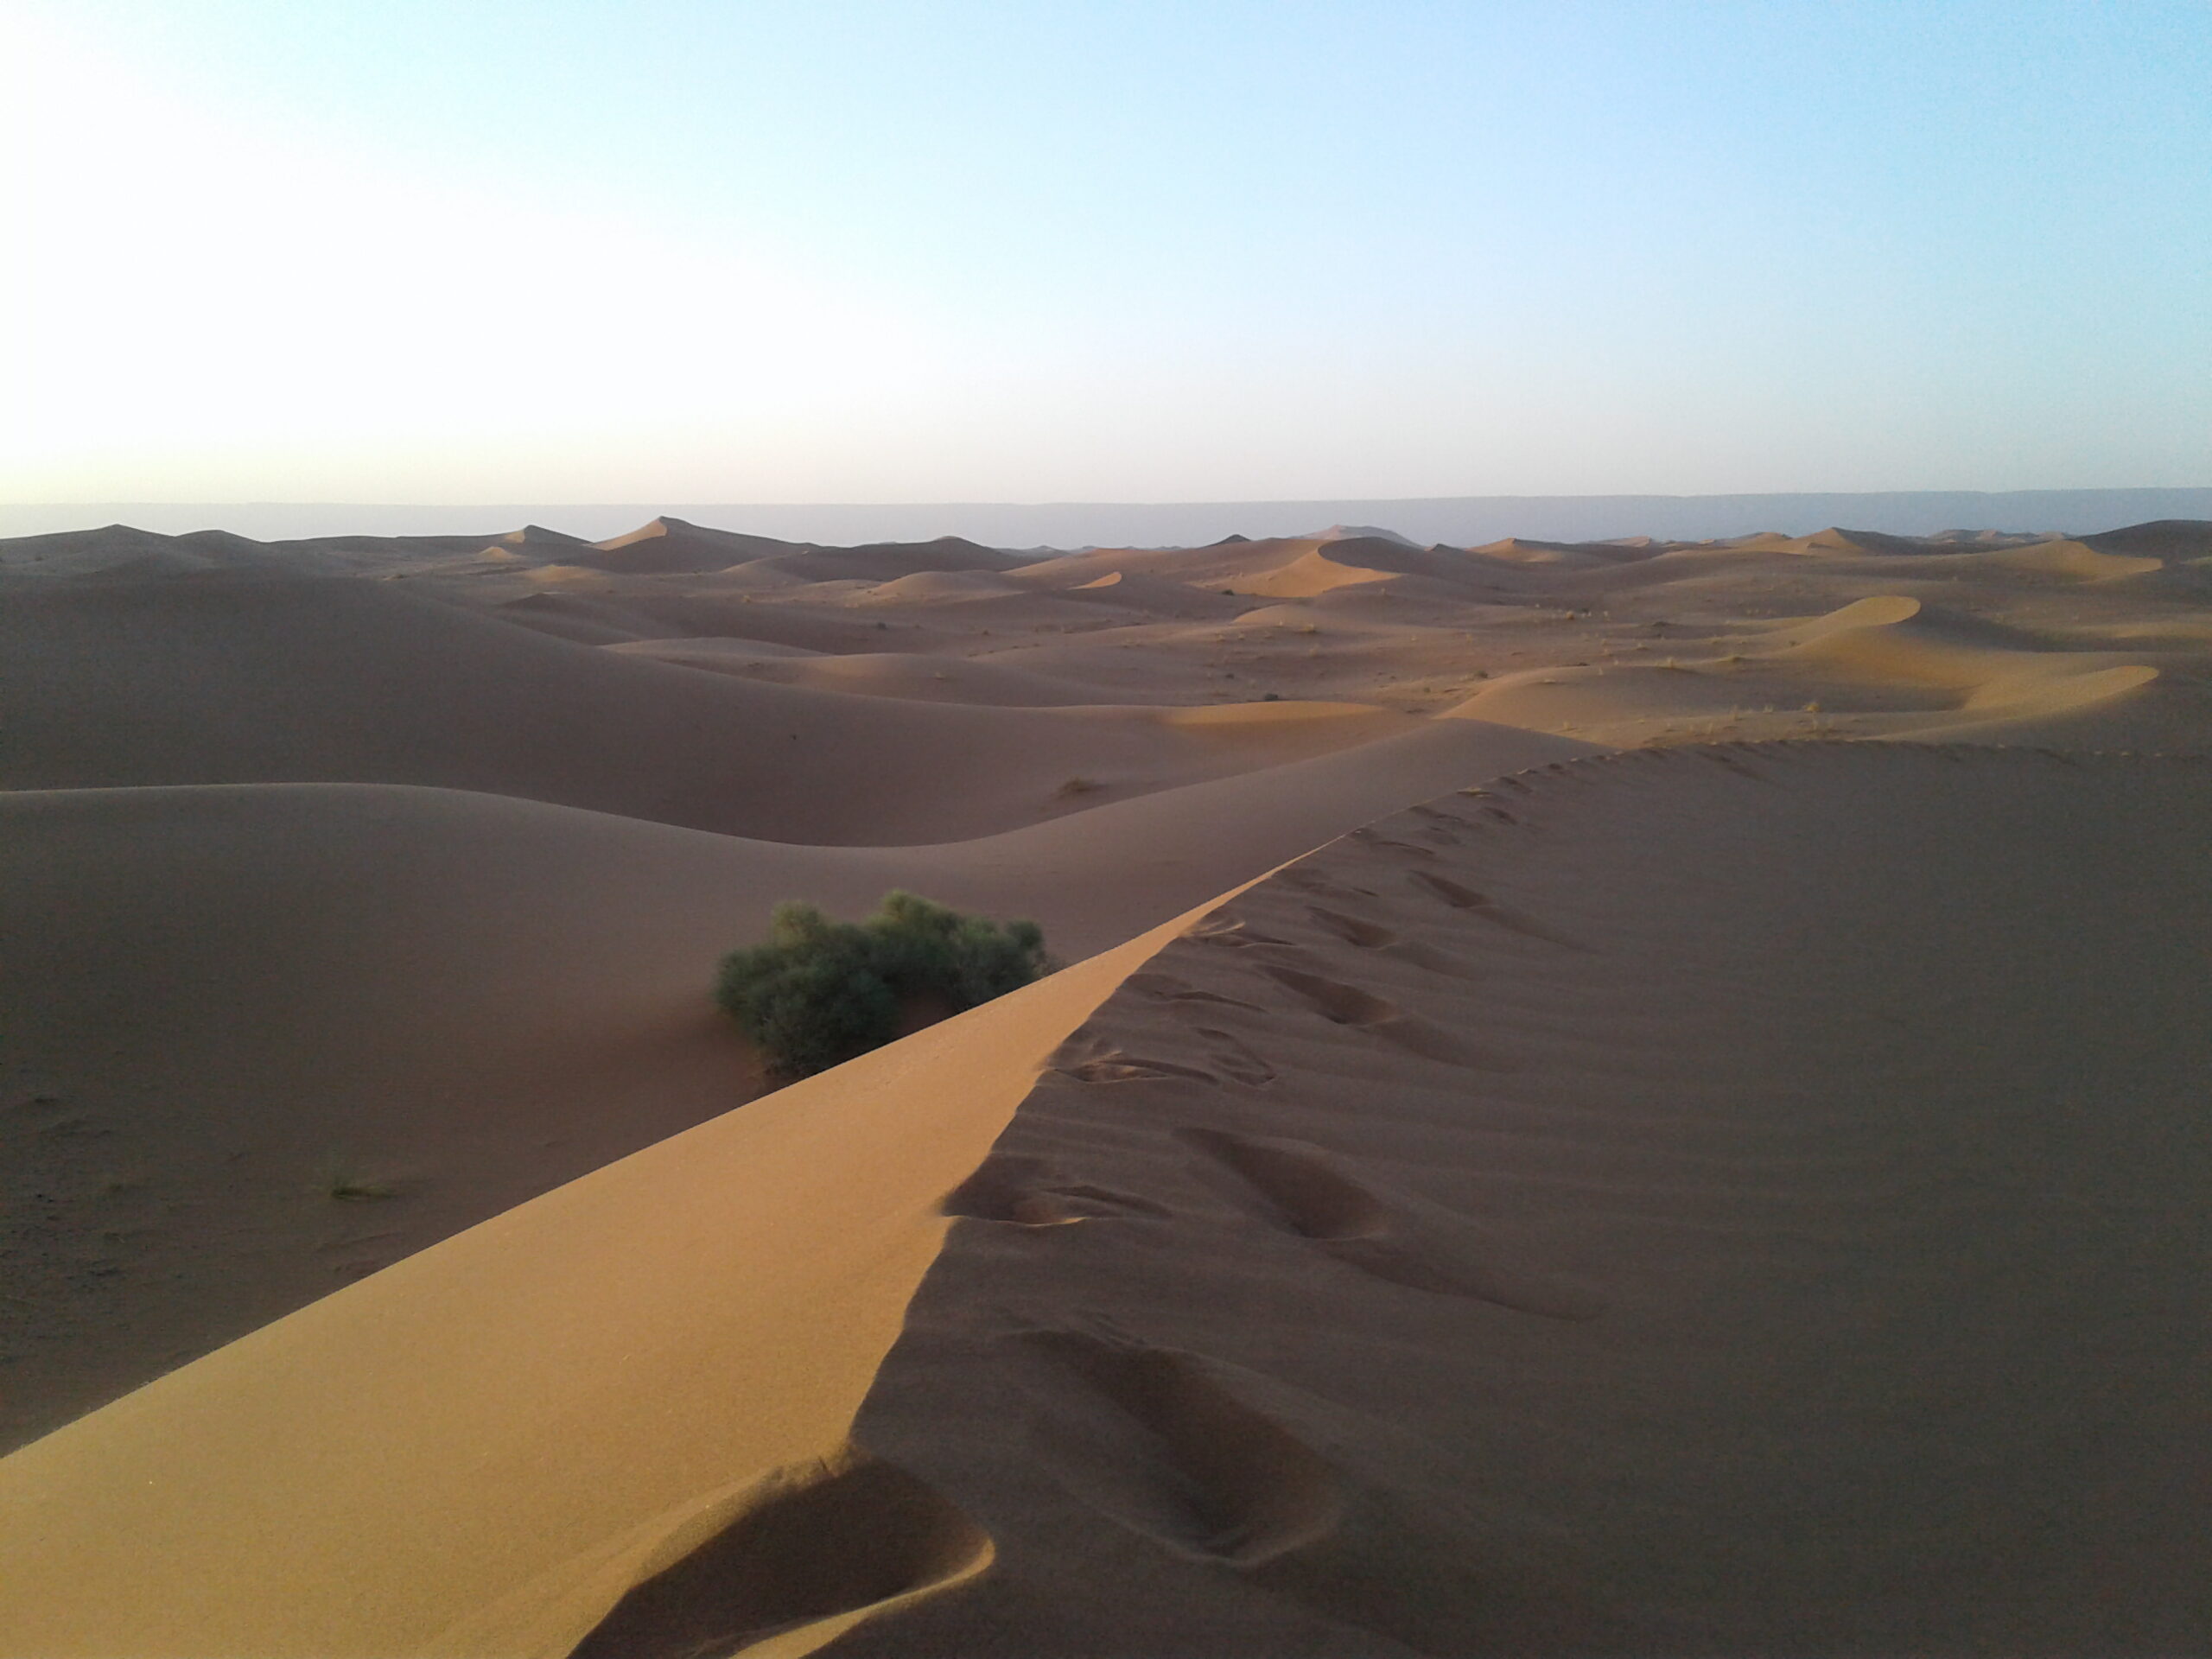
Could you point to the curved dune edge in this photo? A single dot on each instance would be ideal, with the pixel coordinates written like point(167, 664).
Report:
point(1886, 666)
point(481, 1448)
point(882, 1541)
point(1309, 575)
point(476, 998)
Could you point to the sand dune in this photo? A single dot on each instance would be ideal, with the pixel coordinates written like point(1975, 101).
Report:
point(609, 1376)
point(1900, 641)
point(120, 552)
point(1732, 1302)
point(1515, 549)
point(1364, 533)
point(2165, 539)
point(1692, 1199)
point(231, 1002)
point(923, 586)
point(2074, 560)
point(179, 683)
point(1735, 1297)
point(1285, 568)
point(877, 674)
point(1887, 666)
point(1309, 575)
point(671, 544)
point(1836, 540)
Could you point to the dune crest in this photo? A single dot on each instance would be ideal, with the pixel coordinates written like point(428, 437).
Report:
point(1474, 1086)
point(488, 1444)
point(1731, 1304)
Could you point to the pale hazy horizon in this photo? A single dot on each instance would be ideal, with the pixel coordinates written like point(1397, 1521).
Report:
point(680, 252)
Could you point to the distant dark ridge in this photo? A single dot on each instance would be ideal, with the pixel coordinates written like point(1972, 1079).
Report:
point(1459, 521)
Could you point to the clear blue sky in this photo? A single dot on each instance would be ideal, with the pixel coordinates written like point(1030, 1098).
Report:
point(682, 250)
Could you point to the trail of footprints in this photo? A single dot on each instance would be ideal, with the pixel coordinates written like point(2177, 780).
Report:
point(1169, 1443)
point(811, 1545)
point(1224, 1465)
point(1193, 1453)
point(1157, 1441)
point(1180, 1448)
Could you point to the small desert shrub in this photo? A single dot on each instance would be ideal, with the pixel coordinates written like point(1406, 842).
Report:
point(821, 991)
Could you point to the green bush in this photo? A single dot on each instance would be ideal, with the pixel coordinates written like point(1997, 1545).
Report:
point(821, 991)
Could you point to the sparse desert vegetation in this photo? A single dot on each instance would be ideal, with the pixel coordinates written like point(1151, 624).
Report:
point(819, 991)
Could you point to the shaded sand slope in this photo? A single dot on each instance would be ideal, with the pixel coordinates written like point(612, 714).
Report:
point(1732, 1201)
point(478, 1451)
point(667, 545)
point(2165, 539)
point(227, 1000)
point(702, 609)
point(1710, 1201)
point(228, 680)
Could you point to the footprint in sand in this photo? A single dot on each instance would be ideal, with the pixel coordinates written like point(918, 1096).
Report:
point(1237, 1059)
point(1371, 935)
point(1148, 1437)
point(1466, 899)
point(1374, 840)
point(1320, 886)
point(1086, 1057)
point(1348, 1005)
point(1231, 933)
point(1446, 829)
point(1117, 1067)
point(1405, 1240)
point(1031, 1192)
point(825, 1545)
point(1168, 989)
point(1368, 936)
point(1490, 809)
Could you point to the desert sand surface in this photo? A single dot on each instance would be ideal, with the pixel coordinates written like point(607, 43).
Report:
point(1613, 1097)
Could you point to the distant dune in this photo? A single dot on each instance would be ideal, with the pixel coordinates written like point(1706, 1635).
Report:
point(1462, 521)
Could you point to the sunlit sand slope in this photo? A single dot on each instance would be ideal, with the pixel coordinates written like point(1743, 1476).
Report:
point(1887, 666)
point(264, 1039)
point(478, 1451)
point(1722, 1201)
